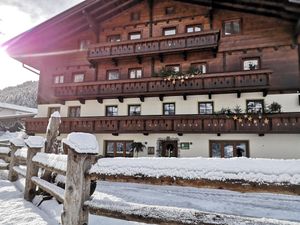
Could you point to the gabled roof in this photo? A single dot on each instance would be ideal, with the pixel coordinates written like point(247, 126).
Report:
point(91, 12)
point(18, 108)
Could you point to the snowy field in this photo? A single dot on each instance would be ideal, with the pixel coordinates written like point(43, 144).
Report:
point(15, 210)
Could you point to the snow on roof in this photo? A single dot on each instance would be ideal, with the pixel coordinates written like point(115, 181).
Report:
point(18, 142)
point(82, 142)
point(18, 107)
point(35, 142)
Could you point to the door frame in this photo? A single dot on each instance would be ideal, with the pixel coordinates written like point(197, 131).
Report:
point(233, 142)
point(165, 142)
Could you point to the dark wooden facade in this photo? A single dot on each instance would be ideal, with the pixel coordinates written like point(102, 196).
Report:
point(269, 31)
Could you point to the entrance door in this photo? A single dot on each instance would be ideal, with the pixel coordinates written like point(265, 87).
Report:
point(169, 149)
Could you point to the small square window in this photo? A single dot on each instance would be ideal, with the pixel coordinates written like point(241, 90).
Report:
point(113, 74)
point(169, 108)
point(74, 111)
point(199, 68)
point(251, 64)
point(255, 106)
point(134, 110)
point(135, 16)
point(231, 27)
point(135, 36)
point(111, 110)
point(170, 10)
point(79, 77)
point(206, 107)
point(114, 38)
point(174, 68)
point(51, 110)
point(194, 28)
point(135, 73)
point(59, 79)
point(169, 31)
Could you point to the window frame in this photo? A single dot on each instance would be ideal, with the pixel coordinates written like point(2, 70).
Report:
point(56, 108)
point(193, 26)
point(125, 142)
point(106, 108)
point(169, 103)
point(201, 63)
point(170, 10)
point(167, 67)
point(109, 38)
point(164, 29)
point(74, 107)
point(133, 14)
point(134, 105)
point(83, 44)
point(59, 79)
point(251, 58)
point(255, 100)
point(206, 102)
point(137, 68)
point(239, 20)
point(108, 71)
point(133, 33)
point(76, 74)
point(233, 142)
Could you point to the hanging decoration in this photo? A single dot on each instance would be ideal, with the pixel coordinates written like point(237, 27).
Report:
point(170, 75)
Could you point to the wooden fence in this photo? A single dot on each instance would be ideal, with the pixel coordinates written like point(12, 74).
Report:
point(76, 199)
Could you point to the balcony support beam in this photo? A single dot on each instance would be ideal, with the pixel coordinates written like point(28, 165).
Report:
point(299, 99)
point(115, 134)
point(139, 59)
point(99, 100)
point(146, 134)
point(161, 98)
point(209, 95)
point(185, 55)
point(184, 97)
point(265, 93)
point(142, 98)
point(238, 94)
point(115, 61)
point(121, 99)
point(82, 101)
point(161, 57)
point(92, 23)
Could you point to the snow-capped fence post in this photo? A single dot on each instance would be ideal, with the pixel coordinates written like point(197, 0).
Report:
point(15, 144)
point(82, 150)
point(35, 145)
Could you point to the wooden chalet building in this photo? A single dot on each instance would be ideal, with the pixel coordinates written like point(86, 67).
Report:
point(185, 78)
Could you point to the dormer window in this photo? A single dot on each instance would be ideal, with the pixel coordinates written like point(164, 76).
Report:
point(114, 38)
point(251, 64)
point(135, 16)
point(194, 28)
point(232, 27)
point(169, 31)
point(170, 10)
point(135, 36)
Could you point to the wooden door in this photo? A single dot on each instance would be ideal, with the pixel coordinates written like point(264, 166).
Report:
point(169, 149)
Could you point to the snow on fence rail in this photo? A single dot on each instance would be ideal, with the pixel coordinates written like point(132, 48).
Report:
point(260, 171)
point(52, 162)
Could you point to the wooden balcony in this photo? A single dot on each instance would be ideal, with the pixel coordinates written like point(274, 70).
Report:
point(230, 82)
point(150, 46)
point(276, 123)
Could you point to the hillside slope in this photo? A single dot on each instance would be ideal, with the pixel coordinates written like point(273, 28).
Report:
point(24, 94)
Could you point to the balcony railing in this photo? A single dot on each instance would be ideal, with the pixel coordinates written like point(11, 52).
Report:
point(270, 123)
point(157, 45)
point(242, 81)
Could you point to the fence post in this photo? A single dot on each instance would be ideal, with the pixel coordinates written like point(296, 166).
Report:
point(34, 144)
point(77, 189)
point(15, 144)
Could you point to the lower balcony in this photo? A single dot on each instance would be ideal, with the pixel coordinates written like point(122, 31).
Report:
point(229, 82)
point(180, 124)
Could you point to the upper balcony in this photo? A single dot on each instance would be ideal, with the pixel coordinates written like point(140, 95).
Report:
point(229, 82)
point(157, 45)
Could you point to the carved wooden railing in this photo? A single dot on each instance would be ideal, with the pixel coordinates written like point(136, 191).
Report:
point(254, 80)
point(275, 123)
point(156, 45)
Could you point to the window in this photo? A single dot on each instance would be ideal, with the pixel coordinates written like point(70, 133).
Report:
point(74, 111)
point(251, 64)
point(118, 149)
point(79, 77)
point(200, 67)
point(113, 74)
point(135, 73)
point(135, 16)
point(175, 68)
point(134, 110)
point(228, 149)
point(59, 79)
point(232, 27)
point(170, 10)
point(52, 110)
point(169, 108)
point(169, 31)
point(111, 110)
point(206, 107)
point(255, 106)
point(194, 28)
point(83, 44)
point(114, 38)
point(135, 36)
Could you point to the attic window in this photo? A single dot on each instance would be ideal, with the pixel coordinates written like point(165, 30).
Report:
point(231, 27)
point(170, 10)
point(135, 16)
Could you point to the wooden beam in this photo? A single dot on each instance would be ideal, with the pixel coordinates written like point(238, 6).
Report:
point(121, 99)
point(82, 101)
point(161, 98)
point(238, 94)
point(184, 96)
point(161, 57)
point(180, 134)
point(139, 59)
point(115, 134)
point(184, 55)
point(299, 99)
point(265, 93)
point(145, 134)
point(99, 100)
point(115, 61)
point(209, 95)
point(142, 98)
point(91, 22)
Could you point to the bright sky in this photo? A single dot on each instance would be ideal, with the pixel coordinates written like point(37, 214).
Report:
point(17, 16)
